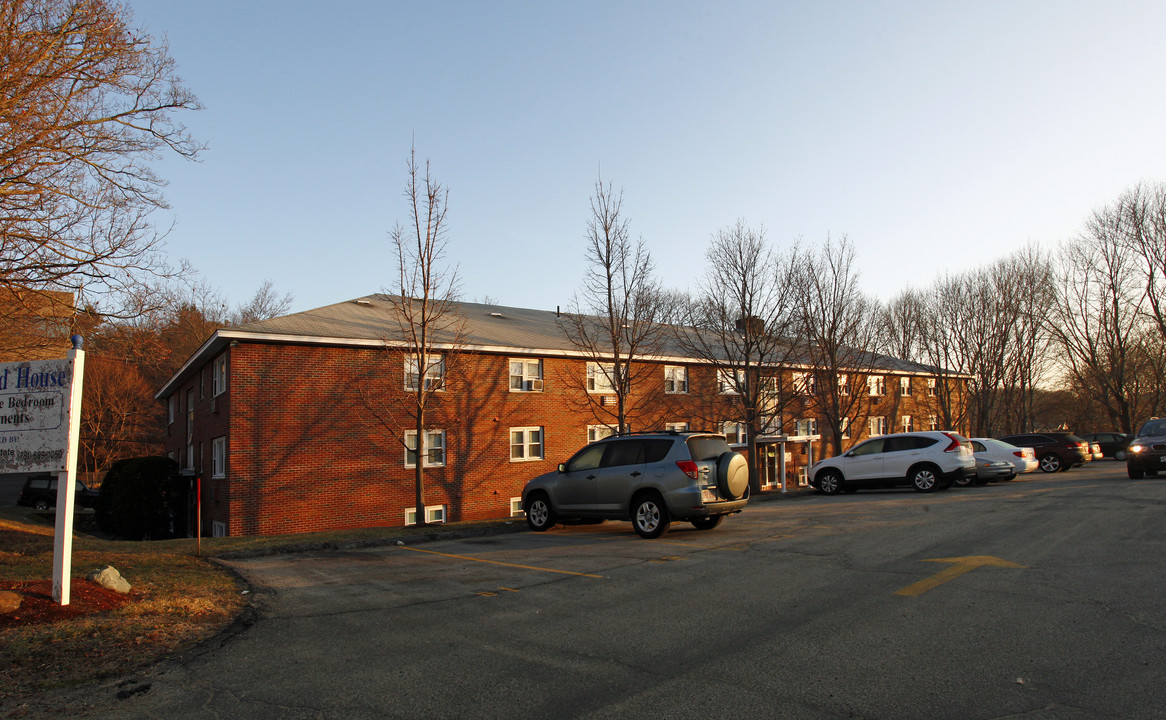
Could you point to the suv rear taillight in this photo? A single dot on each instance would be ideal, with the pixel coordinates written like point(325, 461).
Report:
point(688, 467)
point(954, 446)
point(1019, 453)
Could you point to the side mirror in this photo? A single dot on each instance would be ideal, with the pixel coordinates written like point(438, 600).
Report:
point(562, 467)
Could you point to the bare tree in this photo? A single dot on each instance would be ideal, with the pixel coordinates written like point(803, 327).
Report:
point(614, 319)
point(744, 323)
point(1097, 317)
point(265, 303)
point(1138, 219)
point(86, 102)
point(430, 339)
point(1028, 359)
point(838, 323)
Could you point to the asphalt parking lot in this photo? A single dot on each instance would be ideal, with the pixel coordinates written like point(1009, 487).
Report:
point(1037, 598)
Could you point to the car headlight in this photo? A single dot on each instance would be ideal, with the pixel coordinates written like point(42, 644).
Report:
point(1137, 448)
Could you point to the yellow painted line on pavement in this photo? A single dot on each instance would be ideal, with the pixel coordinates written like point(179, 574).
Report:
point(959, 566)
point(496, 562)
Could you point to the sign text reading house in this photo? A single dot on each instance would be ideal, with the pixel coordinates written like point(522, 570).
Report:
point(34, 407)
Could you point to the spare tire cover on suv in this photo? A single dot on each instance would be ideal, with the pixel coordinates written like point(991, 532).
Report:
point(732, 475)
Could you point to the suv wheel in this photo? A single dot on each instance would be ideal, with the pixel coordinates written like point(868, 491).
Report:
point(924, 478)
point(732, 475)
point(830, 482)
point(707, 523)
point(1119, 455)
point(649, 516)
point(1050, 463)
point(539, 515)
point(40, 504)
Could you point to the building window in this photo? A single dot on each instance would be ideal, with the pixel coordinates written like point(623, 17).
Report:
point(675, 379)
point(190, 429)
point(729, 381)
point(844, 426)
point(734, 432)
point(908, 424)
point(219, 457)
point(676, 427)
point(932, 422)
point(807, 426)
point(434, 372)
point(843, 384)
point(526, 443)
point(218, 528)
point(600, 377)
point(433, 514)
point(803, 383)
point(905, 386)
point(878, 426)
point(877, 384)
point(598, 432)
point(172, 408)
point(931, 386)
point(526, 375)
point(516, 507)
point(219, 375)
point(433, 450)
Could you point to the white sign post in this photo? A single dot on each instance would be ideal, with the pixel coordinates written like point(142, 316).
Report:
point(40, 423)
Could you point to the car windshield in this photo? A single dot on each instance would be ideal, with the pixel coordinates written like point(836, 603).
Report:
point(1153, 427)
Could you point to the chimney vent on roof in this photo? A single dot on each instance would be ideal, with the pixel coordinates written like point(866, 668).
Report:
point(495, 314)
point(362, 302)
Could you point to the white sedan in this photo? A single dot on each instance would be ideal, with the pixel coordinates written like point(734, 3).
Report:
point(1023, 460)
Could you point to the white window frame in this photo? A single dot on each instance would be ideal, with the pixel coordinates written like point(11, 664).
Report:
point(876, 385)
point(427, 448)
point(806, 426)
point(676, 426)
point(905, 386)
point(845, 428)
point(843, 384)
point(729, 379)
point(433, 514)
point(219, 457)
point(908, 423)
point(599, 432)
point(675, 379)
point(878, 425)
point(218, 528)
point(172, 408)
point(600, 377)
point(932, 422)
point(932, 390)
point(434, 372)
point(803, 383)
point(516, 507)
point(219, 375)
point(738, 430)
point(527, 444)
point(527, 374)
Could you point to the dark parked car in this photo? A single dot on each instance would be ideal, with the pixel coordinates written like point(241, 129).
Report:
point(650, 479)
point(1054, 450)
point(1112, 444)
point(40, 492)
point(1147, 451)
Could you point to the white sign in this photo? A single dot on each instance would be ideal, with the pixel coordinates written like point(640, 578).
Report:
point(34, 415)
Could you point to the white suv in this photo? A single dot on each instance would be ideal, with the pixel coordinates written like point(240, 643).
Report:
point(926, 461)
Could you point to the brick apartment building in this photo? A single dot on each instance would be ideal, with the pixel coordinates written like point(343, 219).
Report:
point(295, 424)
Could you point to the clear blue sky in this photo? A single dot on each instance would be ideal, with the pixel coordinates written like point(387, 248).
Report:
point(937, 135)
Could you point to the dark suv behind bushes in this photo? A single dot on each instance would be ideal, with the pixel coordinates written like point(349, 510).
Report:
point(1054, 450)
point(40, 493)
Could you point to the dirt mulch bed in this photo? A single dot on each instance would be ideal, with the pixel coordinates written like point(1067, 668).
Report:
point(37, 606)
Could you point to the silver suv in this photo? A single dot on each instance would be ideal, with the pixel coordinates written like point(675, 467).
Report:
point(648, 478)
point(926, 461)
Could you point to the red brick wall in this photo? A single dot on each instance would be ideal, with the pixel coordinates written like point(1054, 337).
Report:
point(314, 433)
